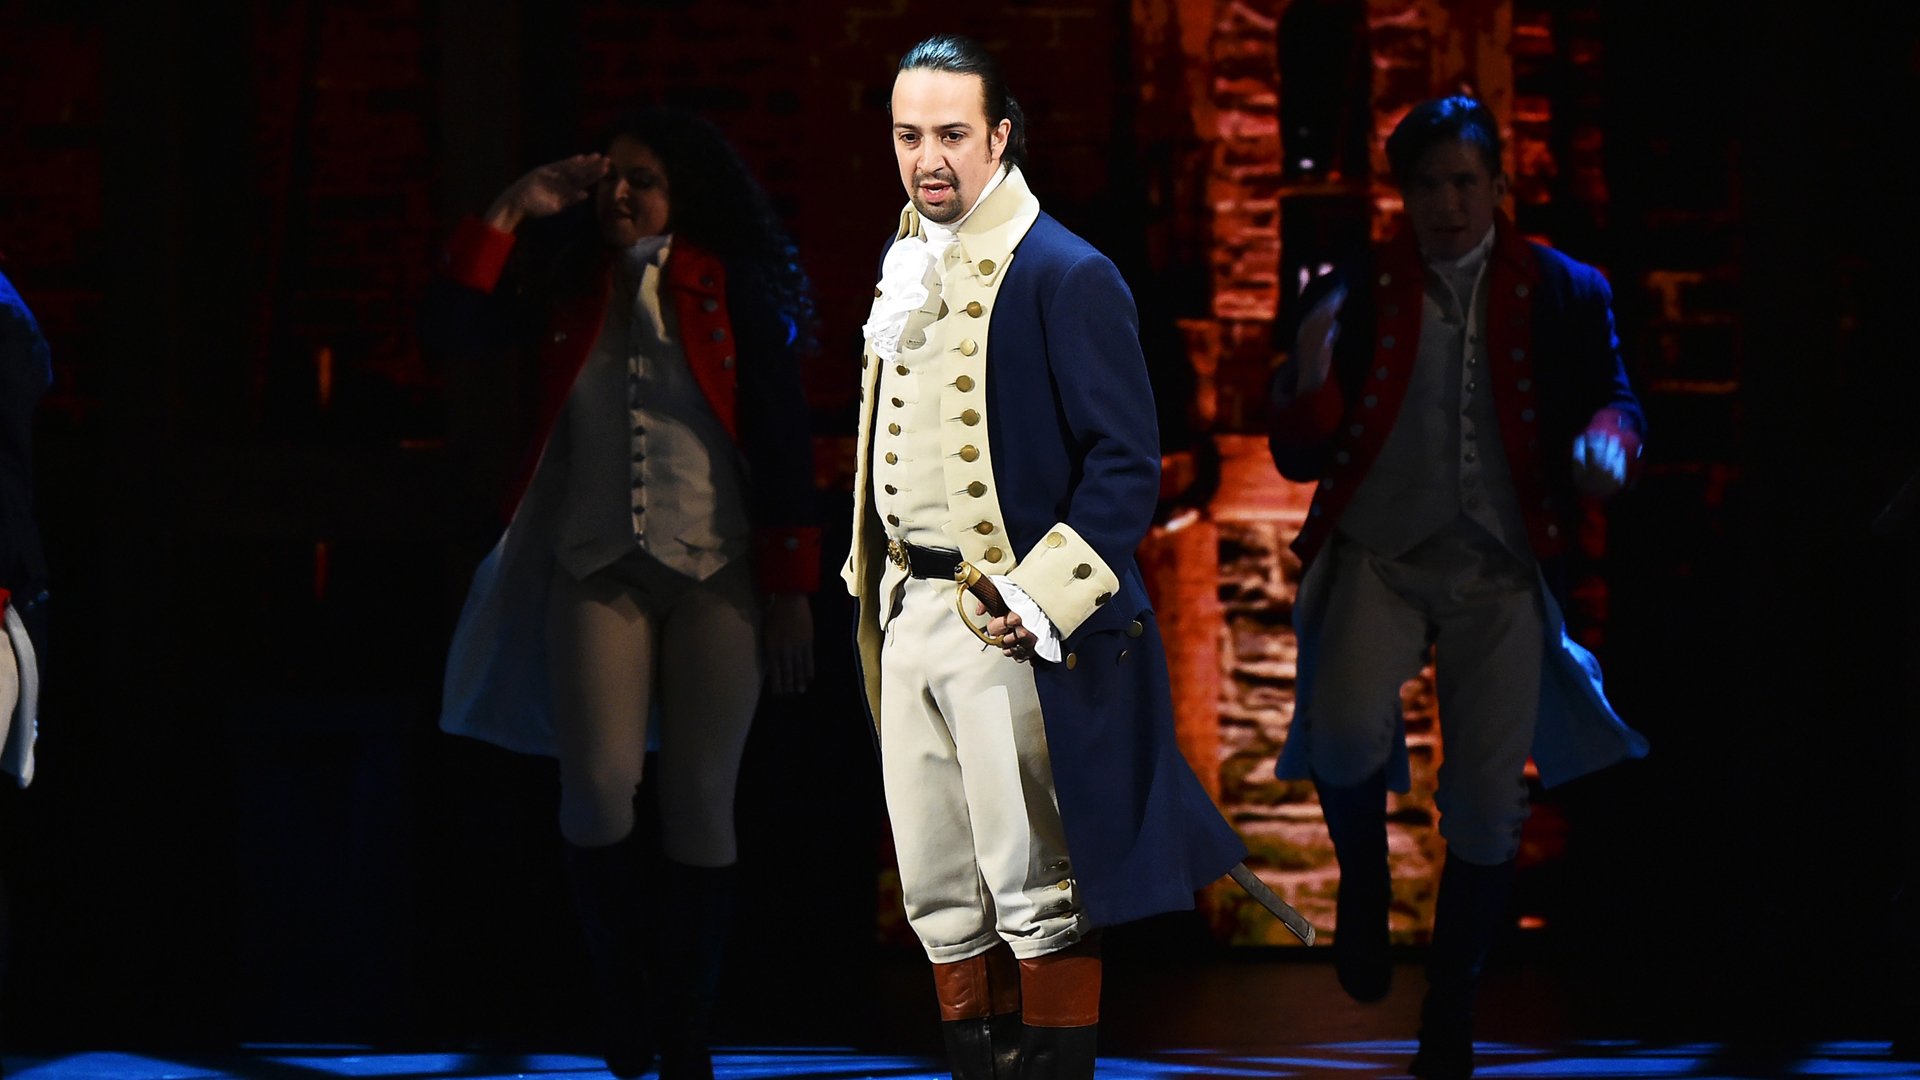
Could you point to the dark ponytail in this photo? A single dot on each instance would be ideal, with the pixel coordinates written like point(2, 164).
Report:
point(965, 56)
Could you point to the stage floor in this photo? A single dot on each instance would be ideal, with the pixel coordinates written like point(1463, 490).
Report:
point(1231, 1019)
point(1613, 1059)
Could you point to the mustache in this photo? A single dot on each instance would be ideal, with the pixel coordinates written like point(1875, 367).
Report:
point(944, 176)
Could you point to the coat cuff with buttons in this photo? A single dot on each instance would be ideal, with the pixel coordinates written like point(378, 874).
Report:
point(1066, 578)
point(477, 254)
point(787, 559)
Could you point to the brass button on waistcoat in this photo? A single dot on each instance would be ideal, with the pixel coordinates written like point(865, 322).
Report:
point(969, 453)
point(968, 348)
point(987, 265)
point(994, 554)
point(893, 458)
point(891, 490)
point(984, 528)
point(876, 292)
point(897, 403)
point(1083, 571)
point(976, 489)
point(892, 520)
point(964, 383)
point(893, 429)
point(974, 309)
point(1054, 539)
point(709, 305)
point(901, 369)
point(1101, 600)
point(970, 417)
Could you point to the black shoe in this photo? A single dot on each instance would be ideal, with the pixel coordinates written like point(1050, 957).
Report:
point(608, 902)
point(1050, 1053)
point(1357, 821)
point(698, 906)
point(1443, 1057)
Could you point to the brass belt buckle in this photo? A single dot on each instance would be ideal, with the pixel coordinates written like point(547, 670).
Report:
point(897, 552)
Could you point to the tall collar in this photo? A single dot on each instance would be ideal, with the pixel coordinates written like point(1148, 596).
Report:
point(994, 226)
point(1510, 251)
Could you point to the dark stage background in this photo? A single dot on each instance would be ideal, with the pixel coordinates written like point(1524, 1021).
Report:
point(262, 503)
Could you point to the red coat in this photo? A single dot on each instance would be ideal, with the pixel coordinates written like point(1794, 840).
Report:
point(767, 420)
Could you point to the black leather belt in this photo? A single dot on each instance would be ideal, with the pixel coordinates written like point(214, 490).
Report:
point(923, 562)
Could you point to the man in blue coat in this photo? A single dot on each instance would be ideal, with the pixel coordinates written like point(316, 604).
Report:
point(1454, 394)
point(1036, 791)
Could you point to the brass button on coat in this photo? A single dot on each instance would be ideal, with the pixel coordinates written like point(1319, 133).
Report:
point(976, 489)
point(964, 383)
point(1136, 628)
point(984, 528)
point(1073, 661)
point(974, 309)
point(970, 417)
point(1100, 601)
point(719, 335)
point(969, 453)
point(1083, 571)
point(968, 348)
point(1054, 539)
point(876, 292)
point(709, 305)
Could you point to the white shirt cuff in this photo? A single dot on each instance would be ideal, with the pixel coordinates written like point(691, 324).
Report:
point(1031, 617)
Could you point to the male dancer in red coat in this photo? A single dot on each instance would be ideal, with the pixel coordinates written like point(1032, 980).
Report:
point(1454, 395)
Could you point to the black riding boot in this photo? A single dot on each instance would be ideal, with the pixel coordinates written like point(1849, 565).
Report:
point(699, 904)
point(980, 1014)
point(1357, 822)
point(1060, 1008)
point(1468, 916)
point(608, 901)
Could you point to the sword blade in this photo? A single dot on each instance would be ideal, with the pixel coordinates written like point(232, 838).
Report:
point(1289, 916)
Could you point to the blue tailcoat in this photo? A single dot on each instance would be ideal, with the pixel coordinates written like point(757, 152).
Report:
point(1075, 441)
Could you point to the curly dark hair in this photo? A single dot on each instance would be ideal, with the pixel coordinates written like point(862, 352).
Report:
point(717, 204)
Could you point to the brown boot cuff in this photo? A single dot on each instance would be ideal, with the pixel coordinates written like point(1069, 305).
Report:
point(1062, 989)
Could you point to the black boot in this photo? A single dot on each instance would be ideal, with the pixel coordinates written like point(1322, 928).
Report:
point(984, 1048)
point(1060, 1008)
point(608, 901)
point(1050, 1053)
point(698, 908)
point(1468, 916)
point(1357, 822)
point(980, 1014)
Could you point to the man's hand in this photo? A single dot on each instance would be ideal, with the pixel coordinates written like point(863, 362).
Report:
point(1313, 349)
point(1015, 639)
point(547, 190)
point(789, 643)
point(1599, 464)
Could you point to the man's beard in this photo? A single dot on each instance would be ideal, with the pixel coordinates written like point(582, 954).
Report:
point(949, 211)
